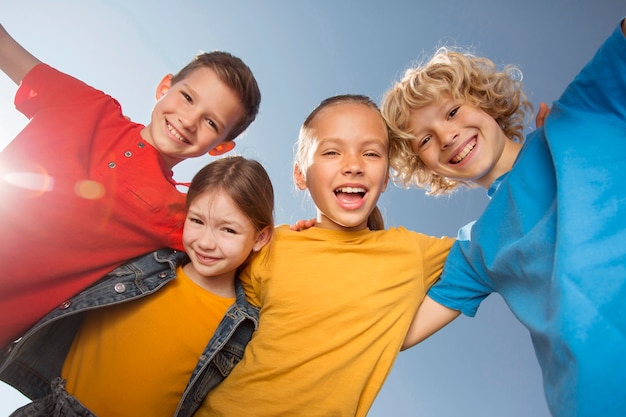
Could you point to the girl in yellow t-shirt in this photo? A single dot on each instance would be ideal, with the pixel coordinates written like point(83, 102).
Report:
point(338, 298)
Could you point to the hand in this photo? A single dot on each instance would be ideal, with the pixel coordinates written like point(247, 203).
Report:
point(543, 112)
point(302, 225)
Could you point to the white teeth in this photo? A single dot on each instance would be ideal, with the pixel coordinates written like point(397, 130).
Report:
point(461, 156)
point(351, 190)
point(175, 133)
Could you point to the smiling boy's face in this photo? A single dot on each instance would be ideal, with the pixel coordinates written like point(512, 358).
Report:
point(349, 165)
point(192, 116)
point(459, 141)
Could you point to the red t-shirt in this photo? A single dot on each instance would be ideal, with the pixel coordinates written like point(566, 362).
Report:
point(80, 193)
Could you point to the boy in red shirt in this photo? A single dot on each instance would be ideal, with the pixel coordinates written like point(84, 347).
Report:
point(83, 189)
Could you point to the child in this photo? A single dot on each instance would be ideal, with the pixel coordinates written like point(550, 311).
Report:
point(84, 189)
point(140, 357)
point(336, 299)
point(552, 240)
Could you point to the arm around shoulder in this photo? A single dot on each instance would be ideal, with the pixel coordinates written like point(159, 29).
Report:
point(430, 318)
point(15, 61)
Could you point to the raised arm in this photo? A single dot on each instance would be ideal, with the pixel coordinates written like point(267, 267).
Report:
point(430, 317)
point(15, 61)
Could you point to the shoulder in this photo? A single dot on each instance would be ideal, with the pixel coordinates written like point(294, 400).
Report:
point(416, 236)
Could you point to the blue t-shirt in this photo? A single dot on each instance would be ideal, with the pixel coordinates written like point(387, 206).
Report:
point(552, 242)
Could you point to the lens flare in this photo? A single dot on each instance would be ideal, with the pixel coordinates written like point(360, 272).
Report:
point(40, 182)
point(89, 189)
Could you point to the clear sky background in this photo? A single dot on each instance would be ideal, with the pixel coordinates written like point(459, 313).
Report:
point(302, 52)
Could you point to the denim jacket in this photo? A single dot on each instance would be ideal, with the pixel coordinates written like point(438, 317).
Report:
point(33, 361)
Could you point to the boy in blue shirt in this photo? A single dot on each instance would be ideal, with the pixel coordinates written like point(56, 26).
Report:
point(552, 241)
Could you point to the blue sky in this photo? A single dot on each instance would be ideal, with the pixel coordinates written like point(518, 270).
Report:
point(302, 52)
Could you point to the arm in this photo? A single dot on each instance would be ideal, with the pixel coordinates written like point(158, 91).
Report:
point(15, 61)
point(599, 86)
point(430, 317)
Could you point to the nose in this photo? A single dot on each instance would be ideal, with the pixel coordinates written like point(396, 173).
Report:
point(207, 240)
point(188, 120)
point(447, 137)
point(352, 164)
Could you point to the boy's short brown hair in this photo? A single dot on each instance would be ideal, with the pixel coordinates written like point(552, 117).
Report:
point(234, 73)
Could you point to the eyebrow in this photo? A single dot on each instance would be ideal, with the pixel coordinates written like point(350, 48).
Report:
point(367, 142)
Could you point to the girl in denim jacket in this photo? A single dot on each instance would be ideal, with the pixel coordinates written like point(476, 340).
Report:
point(147, 352)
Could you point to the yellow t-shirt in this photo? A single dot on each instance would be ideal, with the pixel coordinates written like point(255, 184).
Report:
point(335, 308)
point(135, 359)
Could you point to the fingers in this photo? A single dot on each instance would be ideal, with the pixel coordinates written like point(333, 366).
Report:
point(543, 112)
point(302, 225)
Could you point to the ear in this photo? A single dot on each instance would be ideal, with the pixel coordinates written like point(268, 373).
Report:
point(222, 148)
point(299, 178)
point(263, 238)
point(164, 86)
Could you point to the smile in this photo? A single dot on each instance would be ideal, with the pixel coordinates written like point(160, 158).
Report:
point(175, 133)
point(206, 259)
point(350, 197)
point(459, 157)
point(351, 190)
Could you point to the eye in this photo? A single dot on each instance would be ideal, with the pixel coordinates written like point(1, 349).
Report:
point(372, 154)
point(453, 112)
point(186, 96)
point(229, 230)
point(195, 220)
point(330, 152)
point(425, 141)
point(212, 124)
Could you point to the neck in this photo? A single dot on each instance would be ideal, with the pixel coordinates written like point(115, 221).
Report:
point(505, 163)
point(222, 285)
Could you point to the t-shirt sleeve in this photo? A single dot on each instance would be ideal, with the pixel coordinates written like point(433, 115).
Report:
point(460, 287)
point(44, 86)
point(434, 252)
point(249, 278)
point(599, 87)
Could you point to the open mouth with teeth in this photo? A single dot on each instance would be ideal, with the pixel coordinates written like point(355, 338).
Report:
point(350, 194)
point(459, 157)
point(175, 133)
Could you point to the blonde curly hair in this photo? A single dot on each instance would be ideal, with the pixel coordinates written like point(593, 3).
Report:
point(456, 75)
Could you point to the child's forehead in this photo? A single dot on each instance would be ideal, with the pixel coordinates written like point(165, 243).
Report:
point(350, 106)
point(213, 197)
point(347, 112)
